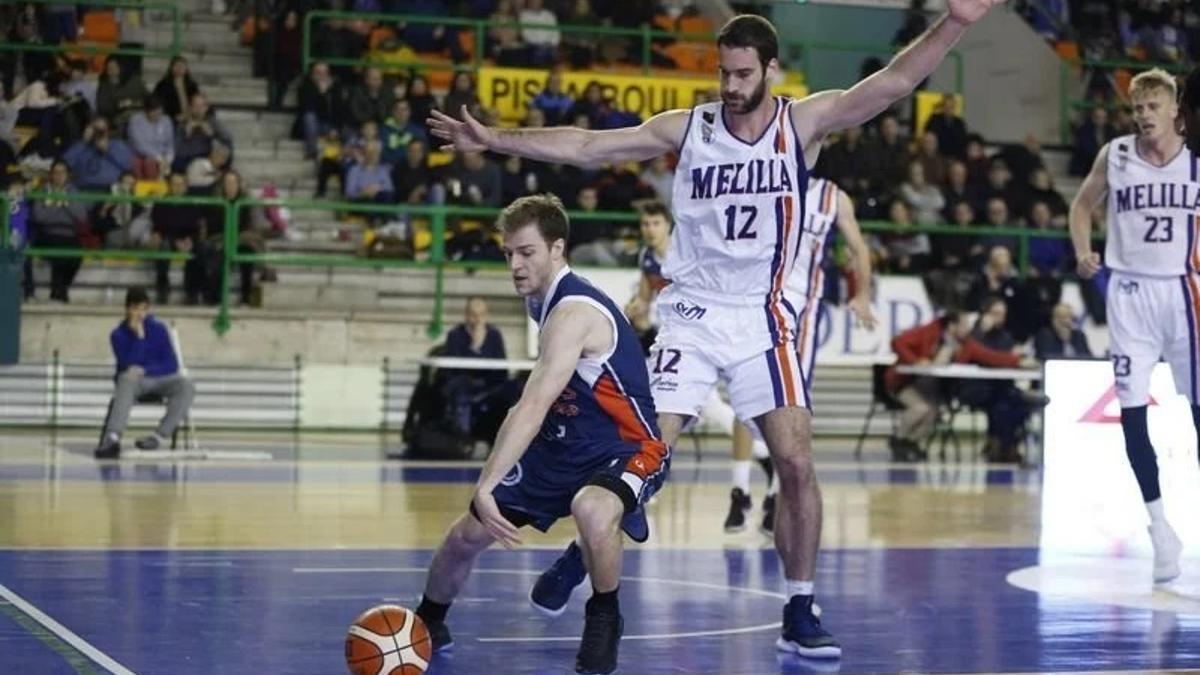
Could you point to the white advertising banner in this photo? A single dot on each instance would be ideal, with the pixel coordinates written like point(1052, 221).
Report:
point(1090, 499)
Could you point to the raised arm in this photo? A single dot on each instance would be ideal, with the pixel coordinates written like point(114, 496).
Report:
point(564, 145)
point(860, 258)
point(1091, 193)
point(572, 329)
point(822, 113)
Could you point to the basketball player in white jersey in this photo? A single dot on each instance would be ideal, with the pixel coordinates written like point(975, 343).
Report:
point(739, 210)
point(1153, 191)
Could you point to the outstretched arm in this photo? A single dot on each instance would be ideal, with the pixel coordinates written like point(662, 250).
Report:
point(1091, 193)
point(572, 329)
point(860, 258)
point(564, 145)
point(825, 112)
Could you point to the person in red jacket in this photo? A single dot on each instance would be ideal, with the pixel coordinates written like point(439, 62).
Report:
point(944, 340)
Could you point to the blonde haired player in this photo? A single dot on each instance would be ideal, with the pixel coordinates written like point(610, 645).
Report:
point(738, 200)
point(1152, 187)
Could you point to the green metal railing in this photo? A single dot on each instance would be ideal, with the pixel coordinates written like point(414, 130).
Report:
point(1070, 70)
point(645, 33)
point(439, 216)
point(154, 5)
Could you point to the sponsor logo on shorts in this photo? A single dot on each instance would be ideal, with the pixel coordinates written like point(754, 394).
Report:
point(659, 383)
point(513, 476)
point(1127, 287)
point(689, 311)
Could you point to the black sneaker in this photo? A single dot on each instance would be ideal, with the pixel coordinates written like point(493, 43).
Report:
point(553, 588)
point(768, 518)
point(739, 506)
point(150, 442)
point(598, 649)
point(108, 450)
point(439, 635)
point(803, 634)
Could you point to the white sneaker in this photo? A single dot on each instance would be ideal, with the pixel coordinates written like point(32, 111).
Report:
point(1167, 549)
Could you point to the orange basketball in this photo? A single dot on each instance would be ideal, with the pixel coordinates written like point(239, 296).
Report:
point(388, 640)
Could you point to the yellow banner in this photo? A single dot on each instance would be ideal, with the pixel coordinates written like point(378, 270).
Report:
point(929, 102)
point(510, 90)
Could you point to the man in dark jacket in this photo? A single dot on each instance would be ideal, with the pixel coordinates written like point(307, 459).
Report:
point(479, 399)
point(146, 364)
point(1061, 339)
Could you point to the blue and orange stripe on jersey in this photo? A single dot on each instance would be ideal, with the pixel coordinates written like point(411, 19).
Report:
point(651, 457)
point(779, 358)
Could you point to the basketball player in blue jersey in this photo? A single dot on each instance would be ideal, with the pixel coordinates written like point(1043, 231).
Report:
point(1152, 185)
point(738, 200)
point(582, 441)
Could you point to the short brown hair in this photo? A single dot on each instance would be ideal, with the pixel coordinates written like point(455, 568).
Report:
point(545, 211)
point(654, 207)
point(748, 30)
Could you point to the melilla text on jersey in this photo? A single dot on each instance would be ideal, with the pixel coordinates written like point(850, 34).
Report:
point(1158, 196)
point(757, 176)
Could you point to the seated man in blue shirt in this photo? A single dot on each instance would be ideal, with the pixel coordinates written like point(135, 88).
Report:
point(146, 365)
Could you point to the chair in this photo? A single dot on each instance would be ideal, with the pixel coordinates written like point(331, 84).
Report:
point(880, 398)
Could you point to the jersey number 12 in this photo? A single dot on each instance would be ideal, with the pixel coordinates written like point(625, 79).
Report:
point(747, 230)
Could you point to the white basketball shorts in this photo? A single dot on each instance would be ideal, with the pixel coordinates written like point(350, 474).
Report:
point(1152, 318)
point(764, 351)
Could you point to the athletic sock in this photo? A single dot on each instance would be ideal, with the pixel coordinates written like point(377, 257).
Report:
point(795, 588)
point(1155, 509)
point(432, 612)
point(741, 475)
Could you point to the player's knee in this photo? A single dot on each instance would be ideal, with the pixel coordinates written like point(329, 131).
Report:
point(596, 507)
point(467, 536)
point(796, 467)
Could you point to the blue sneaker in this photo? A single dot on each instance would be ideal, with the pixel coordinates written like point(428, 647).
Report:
point(552, 590)
point(802, 632)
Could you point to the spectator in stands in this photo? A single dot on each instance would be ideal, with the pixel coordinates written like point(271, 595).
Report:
point(59, 23)
point(288, 47)
point(98, 160)
point(462, 93)
point(1049, 256)
point(542, 39)
point(478, 399)
point(554, 102)
point(949, 128)
point(474, 180)
point(398, 131)
point(888, 156)
point(997, 214)
point(412, 178)
point(1000, 186)
point(152, 135)
point(196, 133)
point(253, 229)
point(330, 162)
point(79, 85)
point(958, 251)
point(915, 23)
point(659, 175)
point(1041, 189)
point(503, 38)
point(580, 46)
point(147, 365)
point(57, 223)
point(371, 100)
point(978, 163)
point(176, 88)
point(1006, 406)
point(907, 251)
point(958, 189)
point(119, 95)
point(179, 228)
point(369, 180)
point(516, 180)
point(428, 37)
point(1023, 159)
point(1061, 339)
point(593, 241)
point(115, 220)
point(420, 99)
point(931, 159)
point(925, 202)
point(997, 279)
point(591, 106)
point(319, 101)
point(1089, 138)
point(355, 149)
point(203, 172)
point(845, 162)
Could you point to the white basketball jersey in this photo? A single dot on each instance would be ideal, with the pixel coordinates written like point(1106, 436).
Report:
point(738, 206)
point(820, 215)
point(1151, 212)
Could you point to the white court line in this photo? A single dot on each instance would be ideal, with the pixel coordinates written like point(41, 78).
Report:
point(64, 633)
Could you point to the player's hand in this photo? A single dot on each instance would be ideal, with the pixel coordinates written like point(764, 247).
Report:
point(1088, 265)
point(970, 11)
point(861, 307)
point(497, 525)
point(467, 135)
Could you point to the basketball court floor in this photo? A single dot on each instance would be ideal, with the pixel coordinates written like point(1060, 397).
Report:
point(258, 567)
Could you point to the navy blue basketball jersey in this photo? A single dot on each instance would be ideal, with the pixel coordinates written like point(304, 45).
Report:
point(607, 402)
